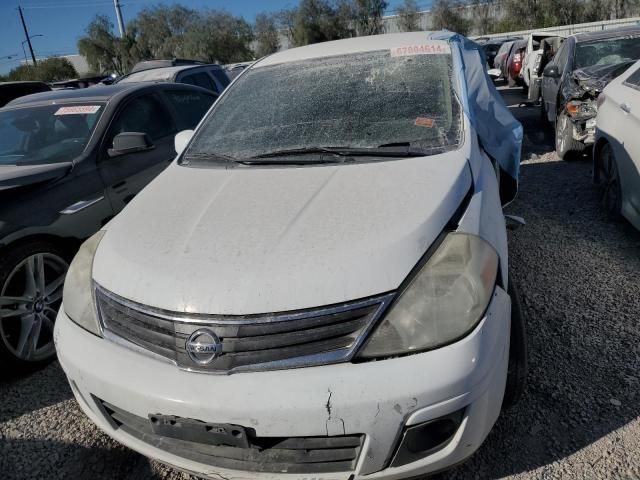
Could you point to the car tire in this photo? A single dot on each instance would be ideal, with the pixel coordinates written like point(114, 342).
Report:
point(612, 192)
point(517, 368)
point(566, 146)
point(31, 282)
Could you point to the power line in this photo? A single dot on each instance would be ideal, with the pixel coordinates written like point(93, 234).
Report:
point(83, 3)
point(66, 5)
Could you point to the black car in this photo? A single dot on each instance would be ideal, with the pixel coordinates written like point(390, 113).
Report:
point(12, 90)
point(583, 65)
point(69, 161)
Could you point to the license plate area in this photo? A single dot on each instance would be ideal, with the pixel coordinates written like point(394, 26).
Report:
point(191, 430)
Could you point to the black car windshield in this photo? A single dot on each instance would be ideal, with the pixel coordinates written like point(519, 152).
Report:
point(370, 100)
point(608, 51)
point(46, 134)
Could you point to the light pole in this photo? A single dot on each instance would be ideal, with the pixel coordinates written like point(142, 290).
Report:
point(24, 51)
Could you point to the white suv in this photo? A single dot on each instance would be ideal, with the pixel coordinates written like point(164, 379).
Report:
point(532, 58)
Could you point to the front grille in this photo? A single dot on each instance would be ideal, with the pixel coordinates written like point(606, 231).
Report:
point(251, 342)
point(264, 454)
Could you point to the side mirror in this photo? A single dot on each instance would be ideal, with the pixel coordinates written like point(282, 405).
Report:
point(130, 142)
point(181, 140)
point(551, 71)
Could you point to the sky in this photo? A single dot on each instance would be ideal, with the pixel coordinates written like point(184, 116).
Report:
point(62, 22)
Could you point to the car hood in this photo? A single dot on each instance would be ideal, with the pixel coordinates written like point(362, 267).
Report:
point(258, 240)
point(592, 80)
point(14, 176)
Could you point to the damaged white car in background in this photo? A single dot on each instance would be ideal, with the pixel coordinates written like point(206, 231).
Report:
point(318, 286)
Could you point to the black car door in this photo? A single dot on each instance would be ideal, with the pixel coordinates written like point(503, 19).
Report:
point(125, 175)
point(551, 85)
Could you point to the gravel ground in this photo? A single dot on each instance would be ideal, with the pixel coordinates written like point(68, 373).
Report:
point(578, 274)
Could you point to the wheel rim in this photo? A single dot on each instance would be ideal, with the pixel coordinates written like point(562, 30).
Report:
point(29, 302)
point(611, 194)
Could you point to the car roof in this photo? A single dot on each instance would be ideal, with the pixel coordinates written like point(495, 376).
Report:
point(97, 93)
point(605, 34)
point(162, 73)
point(346, 46)
point(10, 84)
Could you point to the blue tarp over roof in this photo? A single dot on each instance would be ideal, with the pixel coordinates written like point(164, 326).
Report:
point(500, 134)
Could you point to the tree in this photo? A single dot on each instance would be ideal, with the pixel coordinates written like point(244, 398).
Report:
point(162, 31)
point(484, 15)
point(446, 15)
point(316, 21)
point(219, 37)
point(266, 35)
point(103, 50)
point(368, 16)
point(49, 70)
point(408, 16)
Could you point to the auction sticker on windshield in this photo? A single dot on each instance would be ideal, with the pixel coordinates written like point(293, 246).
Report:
point(436, 47)
point(78, 110)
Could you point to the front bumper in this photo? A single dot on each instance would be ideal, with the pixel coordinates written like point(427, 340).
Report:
point(376, 399)
point(584, 130)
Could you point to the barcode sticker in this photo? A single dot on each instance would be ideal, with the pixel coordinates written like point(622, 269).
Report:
point(78, 110)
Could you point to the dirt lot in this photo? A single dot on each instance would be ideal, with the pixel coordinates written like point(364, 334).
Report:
point(579, 275)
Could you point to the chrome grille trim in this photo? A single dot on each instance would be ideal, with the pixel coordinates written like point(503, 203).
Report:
point(249, 342)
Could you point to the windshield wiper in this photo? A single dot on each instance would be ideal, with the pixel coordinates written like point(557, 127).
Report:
point(208, 158)
point(292, 161)
point(337, 154)
point(339, 151)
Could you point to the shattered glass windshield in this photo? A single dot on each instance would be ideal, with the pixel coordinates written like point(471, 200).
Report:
point(369, 100)
point(609, 51)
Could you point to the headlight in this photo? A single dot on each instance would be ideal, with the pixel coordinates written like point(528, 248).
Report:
point(443, 302)
point(582, 109)
point(77, 296)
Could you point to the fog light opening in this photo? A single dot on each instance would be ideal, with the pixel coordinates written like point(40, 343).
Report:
point(421, 440)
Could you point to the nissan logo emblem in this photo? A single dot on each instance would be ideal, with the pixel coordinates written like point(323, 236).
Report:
point(203, 346)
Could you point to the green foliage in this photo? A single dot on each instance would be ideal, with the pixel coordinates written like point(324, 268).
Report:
point(530, 14)
point(446, 14)
point(484, 14)
point(314, 21)
point(408, 16)
point(217, 37)
point(167, 32)
point(50, 70)
point(104, 51)
point(369, 16)
point(266, 35)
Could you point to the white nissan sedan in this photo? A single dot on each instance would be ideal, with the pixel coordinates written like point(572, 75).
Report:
point(317, 287)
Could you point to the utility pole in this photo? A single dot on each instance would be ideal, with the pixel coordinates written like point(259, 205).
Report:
point(26, 34)
point(116, 3)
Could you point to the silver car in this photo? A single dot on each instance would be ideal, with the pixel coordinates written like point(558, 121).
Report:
point(616, 156)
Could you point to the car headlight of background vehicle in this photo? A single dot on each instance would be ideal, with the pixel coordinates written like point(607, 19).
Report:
point(77, 296)
point(581, 110)
point(443, 302)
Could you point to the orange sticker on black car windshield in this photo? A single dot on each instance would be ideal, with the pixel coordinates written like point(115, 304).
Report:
point(424, 122)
